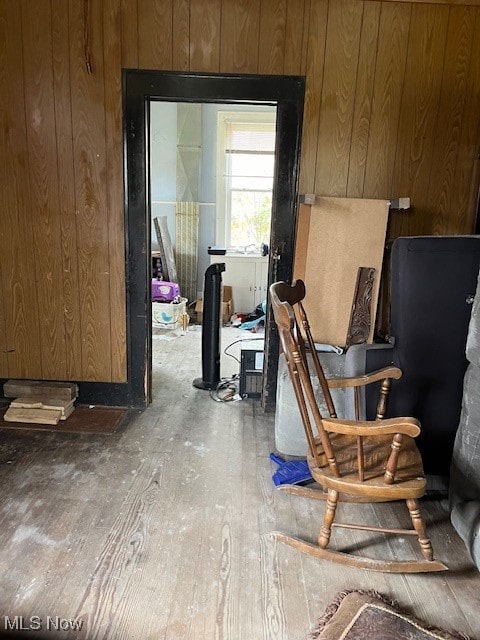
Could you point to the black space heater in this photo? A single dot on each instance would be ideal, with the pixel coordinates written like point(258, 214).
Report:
point(212, 303)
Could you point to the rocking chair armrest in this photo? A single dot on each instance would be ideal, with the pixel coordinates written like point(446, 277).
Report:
point(360, 381)
point(406, 426)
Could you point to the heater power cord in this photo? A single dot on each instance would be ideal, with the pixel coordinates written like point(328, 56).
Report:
point(225, 351)
point(226, 390)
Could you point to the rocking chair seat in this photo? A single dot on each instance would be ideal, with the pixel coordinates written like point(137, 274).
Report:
point(409, 479)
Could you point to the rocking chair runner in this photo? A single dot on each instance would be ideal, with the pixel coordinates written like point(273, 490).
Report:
point(353, 460)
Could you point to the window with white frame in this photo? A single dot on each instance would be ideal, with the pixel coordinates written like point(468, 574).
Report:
point(245, 169)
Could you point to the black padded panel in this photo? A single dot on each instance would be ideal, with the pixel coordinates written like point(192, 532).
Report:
point(432, 279)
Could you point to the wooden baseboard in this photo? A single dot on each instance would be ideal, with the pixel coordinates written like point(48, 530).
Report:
point(108, 394)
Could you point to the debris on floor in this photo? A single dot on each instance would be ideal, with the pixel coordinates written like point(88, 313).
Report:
point(39, 402)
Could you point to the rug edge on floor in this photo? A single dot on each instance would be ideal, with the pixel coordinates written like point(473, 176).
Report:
point(364, 597)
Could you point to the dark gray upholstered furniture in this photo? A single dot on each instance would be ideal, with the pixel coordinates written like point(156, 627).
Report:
point(465, 471)
point(433, 282)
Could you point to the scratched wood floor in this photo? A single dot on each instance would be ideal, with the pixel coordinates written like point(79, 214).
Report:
point(161, 531)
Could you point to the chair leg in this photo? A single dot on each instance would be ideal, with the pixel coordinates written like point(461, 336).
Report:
point(351, 560)
point(328, 518)
point(419, 526)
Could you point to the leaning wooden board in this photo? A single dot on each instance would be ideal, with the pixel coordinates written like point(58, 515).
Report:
point(335, 237)
point(166, 249)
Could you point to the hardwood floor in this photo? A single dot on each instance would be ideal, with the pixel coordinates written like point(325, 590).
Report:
point(162, 531)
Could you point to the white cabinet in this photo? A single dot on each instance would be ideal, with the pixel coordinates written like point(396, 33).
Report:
point(248, 277)
point(262, 279)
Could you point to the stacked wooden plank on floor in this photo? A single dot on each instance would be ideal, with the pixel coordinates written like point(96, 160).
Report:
point(39, 402)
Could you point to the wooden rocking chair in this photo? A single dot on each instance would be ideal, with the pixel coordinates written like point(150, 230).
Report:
point(352, 460)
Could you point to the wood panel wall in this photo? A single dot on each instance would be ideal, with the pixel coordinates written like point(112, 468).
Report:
point(392, 109)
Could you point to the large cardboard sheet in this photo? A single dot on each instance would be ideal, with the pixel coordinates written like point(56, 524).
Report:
point(335, 237)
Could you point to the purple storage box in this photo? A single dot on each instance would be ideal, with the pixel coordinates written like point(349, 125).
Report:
point(164, 291)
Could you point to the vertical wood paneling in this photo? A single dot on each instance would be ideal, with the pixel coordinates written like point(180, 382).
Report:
point(155, 26)
point(44, 195)
point(240, 34)
point(3, 332)
point(367, 58)
point(4, 196)
point(392, 104)
point(338, 97)
point(421, 92)
point(271, 53)
point(294, 37)
point(116, 231)
point(88, 109)
point(467, 168)
point(18, 266)
point(450, 116)
point(389, 77)
point(181, 35)
point(3, 324)
point(66, 190)
point(305, 32)
point(205, 18)
point(129, 33)
point(317, 27)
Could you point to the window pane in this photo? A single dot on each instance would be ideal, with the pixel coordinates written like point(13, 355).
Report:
point(250, 164)
point(252, 184)
point(250, 217)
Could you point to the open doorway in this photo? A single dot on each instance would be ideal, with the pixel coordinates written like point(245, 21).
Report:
point(211, 182)
point(141, 89)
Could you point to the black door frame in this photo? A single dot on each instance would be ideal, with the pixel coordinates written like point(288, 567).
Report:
point(140, 87)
